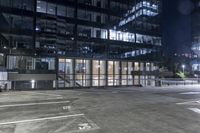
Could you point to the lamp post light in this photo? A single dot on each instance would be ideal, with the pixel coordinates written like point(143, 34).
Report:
point(183, 66)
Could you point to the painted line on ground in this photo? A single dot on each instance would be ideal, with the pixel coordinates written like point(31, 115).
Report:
point(41, 93)
point(83, 131)
point(89, 122)
point(196, 110)
point(189, 102)
point(190, 93)
point(32, 104)
point(41, 119)
point(56, 98)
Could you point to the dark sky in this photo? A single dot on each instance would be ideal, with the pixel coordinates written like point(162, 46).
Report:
point(176, 26)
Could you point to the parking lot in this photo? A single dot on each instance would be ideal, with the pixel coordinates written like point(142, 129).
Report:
point(108, 110)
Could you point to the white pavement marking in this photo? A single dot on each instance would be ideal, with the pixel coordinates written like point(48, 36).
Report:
point(190, 102)
point(190, 93)
point(40, 93)
point(56, 98)
point(84, 126)
point(32, 104)
point(196, 110)
point(40, 119)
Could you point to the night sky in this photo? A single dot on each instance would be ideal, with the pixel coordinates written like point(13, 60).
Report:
point(176, 26)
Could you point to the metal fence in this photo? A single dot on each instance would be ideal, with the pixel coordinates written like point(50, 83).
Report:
point(6, 85)
point(176, 81)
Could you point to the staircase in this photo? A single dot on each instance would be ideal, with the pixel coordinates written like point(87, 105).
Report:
point(66, 79)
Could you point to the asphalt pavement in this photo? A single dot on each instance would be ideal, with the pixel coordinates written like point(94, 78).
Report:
point(173, 109)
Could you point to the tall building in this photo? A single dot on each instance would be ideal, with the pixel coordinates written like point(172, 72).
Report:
point(196, 36)
point(79, 43)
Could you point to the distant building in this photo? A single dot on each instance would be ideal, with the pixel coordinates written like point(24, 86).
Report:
point(80, 43)
point(196, 36)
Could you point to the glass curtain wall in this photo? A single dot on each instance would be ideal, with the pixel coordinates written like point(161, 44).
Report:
point(30, 63)
point(87, 73)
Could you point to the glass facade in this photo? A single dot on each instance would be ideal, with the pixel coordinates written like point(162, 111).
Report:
point(96, 73)
point(83, 43)
point(30, 63)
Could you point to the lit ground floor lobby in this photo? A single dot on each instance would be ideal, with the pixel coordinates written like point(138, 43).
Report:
point(52, 73)
point(80, 72)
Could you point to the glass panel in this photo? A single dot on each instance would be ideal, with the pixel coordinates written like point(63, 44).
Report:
point(148, 65)
point(61, 67)
point(117, 73)
point(68, 69)
point(41, 6)
point(61, 11)
point(17, 3)
point(152, 80)
point(51, 8)
point(136, 66)
point(87, 73)
point(79, 71)
point(65, 73)
point(61, 73)
point(141, 66)
point(45, 63)
point(1, 59)
point(98, 70)
point(102, 73)
point(95, 71)
point(143, 80)
point(83, 72)
point(136, 80)
point(20, 62)
point(70, 12)
point(27, 4)
point(124, 73)
point(6, 3)
point(69, 73)
point(130, 74)
point(110, 73)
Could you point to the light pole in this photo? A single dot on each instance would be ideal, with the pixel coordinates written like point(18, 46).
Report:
point(183, 66)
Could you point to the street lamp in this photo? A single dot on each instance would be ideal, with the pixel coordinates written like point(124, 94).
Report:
point(183, 66)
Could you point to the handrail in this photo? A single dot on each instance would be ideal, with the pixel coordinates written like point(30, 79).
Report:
point(178, 81)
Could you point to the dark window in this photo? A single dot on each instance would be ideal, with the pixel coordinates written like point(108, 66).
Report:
point(98, 19)
point(99, 4)
point(98, 34)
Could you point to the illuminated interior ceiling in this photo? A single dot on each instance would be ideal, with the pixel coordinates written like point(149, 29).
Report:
point(142, 8)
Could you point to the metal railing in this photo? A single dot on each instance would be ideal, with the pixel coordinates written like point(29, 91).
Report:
point(177, 81)
point(6, 85)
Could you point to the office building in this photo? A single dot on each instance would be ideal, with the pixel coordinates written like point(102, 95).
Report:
point(79, 43)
